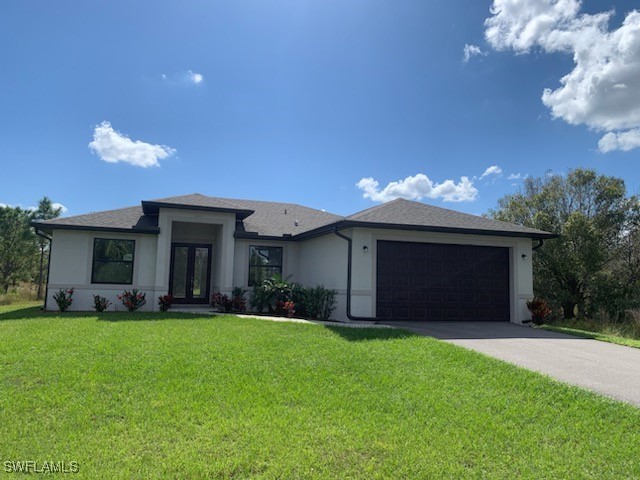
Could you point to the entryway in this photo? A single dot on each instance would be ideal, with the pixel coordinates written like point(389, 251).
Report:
point(190, 275)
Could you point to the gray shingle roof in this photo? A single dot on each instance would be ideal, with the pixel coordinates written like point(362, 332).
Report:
point(197, 200)
point(130, 218)
point(275, 219)
point(406, 212)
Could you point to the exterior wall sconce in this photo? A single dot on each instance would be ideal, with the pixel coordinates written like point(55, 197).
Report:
point(365, 249)
point(524, 256)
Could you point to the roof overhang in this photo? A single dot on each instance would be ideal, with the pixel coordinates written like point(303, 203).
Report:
point(48, 227)
point(152, 208)
point(421, 228)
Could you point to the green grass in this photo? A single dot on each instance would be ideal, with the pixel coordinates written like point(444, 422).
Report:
point(591, 332)
point(601, 328)
point(177, 396)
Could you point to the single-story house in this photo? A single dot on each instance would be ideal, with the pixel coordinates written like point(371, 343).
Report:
point(400, 260)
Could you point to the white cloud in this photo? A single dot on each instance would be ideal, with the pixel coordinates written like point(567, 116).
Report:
point(113, 147)
point(514, 176)
point(624, 141)
point(62, 208)
point(470, 51)
point(195, 77)
point(603, 89)
point(418, 187)
point(182, 78)
point(490, 171)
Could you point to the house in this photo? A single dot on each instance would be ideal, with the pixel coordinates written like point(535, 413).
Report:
point(396, 261)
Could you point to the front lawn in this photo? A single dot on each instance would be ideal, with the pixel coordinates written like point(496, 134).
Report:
point(627, 334)
point(177, 396)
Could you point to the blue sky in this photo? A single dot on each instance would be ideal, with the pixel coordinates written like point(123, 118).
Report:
point(314, 102)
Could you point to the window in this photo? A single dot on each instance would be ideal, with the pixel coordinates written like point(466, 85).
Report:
point(112, 261)
point(264, 262)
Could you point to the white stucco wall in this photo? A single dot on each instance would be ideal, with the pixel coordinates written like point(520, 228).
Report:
point(323, 261)
point(71, 262)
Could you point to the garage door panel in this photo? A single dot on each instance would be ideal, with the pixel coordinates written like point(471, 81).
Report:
point(422, 281)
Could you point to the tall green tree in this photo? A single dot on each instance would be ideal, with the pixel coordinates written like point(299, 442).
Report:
point(45, 211)
point(594, 263)
point(18, 246)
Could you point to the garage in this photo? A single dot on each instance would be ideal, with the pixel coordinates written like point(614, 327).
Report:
point(442, 282)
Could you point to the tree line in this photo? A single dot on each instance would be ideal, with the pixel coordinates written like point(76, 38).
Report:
point(23, 254)
point(593, 268)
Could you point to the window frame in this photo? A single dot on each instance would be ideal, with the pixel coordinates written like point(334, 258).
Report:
point(281, 266)
point(93, 260)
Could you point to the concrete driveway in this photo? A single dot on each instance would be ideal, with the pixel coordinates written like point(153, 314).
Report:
point(609, 369)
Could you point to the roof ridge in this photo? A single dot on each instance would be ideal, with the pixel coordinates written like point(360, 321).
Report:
point(209, 197)
point(375, 207)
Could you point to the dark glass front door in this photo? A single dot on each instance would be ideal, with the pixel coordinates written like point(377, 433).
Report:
point(190, 272)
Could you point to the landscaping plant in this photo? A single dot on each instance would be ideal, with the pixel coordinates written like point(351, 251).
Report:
point(274, 294)
point(221, 302)
point(539, 309)
point(64, 298)
point(133, 299)
point(100, 303)
point(165, 301)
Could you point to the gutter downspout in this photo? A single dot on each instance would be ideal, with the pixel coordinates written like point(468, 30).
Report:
point(349, 257)
point(46, 288)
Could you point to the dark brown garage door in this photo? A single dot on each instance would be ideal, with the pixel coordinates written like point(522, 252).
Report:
point(436, 282)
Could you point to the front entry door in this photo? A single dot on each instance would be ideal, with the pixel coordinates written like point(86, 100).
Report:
point(190, 272)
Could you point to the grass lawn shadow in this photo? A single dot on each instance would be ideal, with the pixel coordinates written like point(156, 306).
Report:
point(365, 334)
point(22, 313)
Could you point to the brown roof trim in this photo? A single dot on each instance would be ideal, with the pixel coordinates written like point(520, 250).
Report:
point(152, 208)
point(54, 226)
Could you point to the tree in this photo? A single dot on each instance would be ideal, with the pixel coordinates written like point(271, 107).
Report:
point(45, 211)
point(595, 263)
point(18, 247)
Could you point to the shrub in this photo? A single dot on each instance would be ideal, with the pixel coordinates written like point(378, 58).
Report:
point(539, 309)
point(165, 301)
point(64, 298)
point(100, 303)
point(289, 309)
point(221, 302)
point(133, 299)
point(274, 294)
point(320, 302)
point(238, 303)
point(271, 294)
point(260, 298)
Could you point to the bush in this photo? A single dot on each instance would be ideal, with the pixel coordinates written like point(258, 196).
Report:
point(320, 302)
point(221, 302)
point(238, 303)
point(289, 309)
point(133, 299)
point(100, 303)
point(165, 301)
point(281, 298)
point(64, 298)
point(539, 309)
